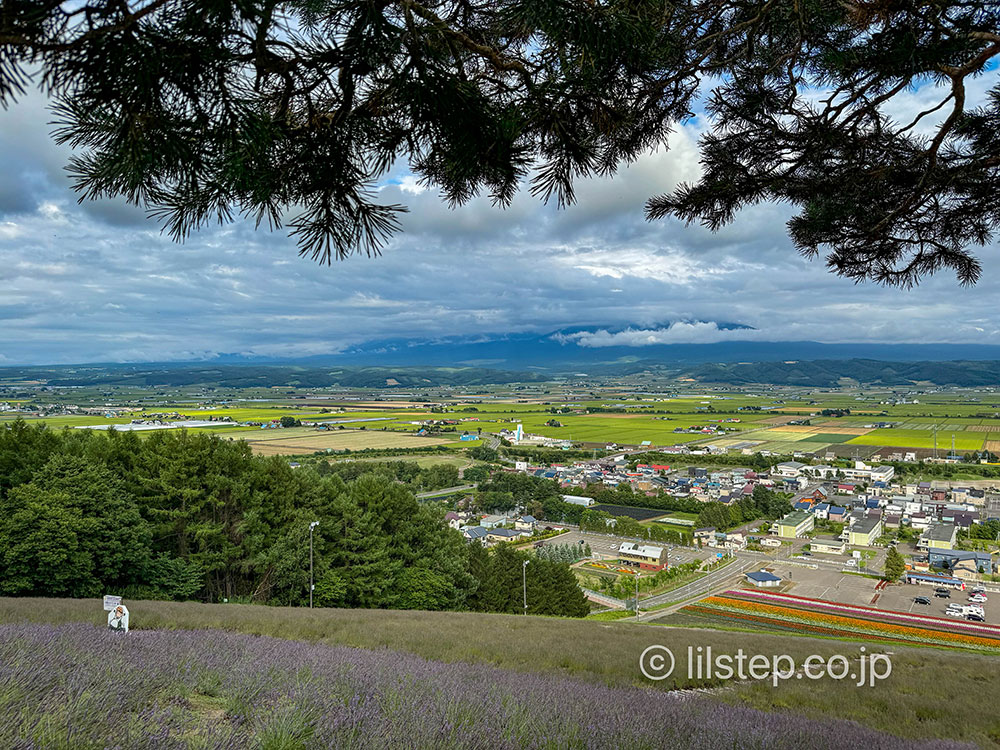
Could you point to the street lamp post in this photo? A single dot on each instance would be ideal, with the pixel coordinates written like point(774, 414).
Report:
point(637, 576)
point(524, 583)
point(312, 586)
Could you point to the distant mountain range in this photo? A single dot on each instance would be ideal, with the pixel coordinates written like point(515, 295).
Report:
point(559, 351)
point(525, 357)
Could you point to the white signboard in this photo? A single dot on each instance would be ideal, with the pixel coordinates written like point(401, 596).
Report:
point(118, 618)
point(110, 602)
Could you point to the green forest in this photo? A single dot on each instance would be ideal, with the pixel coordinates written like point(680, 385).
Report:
point(177, 515)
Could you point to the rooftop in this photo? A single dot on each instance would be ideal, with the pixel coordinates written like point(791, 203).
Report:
point(795, 518)
point(647, 550)
point(865, 525)
point(762, 576)
point(939, 532)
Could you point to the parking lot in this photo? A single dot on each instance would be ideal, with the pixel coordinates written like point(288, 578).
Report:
point(606, 547)
point(858, 590)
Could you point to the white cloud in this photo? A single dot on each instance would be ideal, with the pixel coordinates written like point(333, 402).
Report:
point(671, 267)
point(80, 276)
point(696, 332)
point(410, 184)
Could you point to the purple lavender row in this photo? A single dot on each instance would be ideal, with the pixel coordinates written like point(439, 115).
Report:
point(84, 687)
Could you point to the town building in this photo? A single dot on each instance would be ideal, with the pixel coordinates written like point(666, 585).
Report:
point(763, 579)
point(938, 536)
point(796, 524)
point(828, 545)
point(959, 563)
point(644, 556)
point(864, 532)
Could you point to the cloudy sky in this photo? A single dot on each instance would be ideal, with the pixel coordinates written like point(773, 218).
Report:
point(98, 282)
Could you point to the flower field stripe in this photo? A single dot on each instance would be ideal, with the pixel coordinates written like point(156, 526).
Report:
point(991, 631)
point(780, 624)
point(846, 624)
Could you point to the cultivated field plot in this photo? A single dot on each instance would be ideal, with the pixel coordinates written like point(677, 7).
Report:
point(964, 441)
point(781, 419)
point(337, 441)
point(783, 435)
point(830, 437)
point(836, 428)
point(639, 514)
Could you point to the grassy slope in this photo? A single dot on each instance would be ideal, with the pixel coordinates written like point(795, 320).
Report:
point(931, 693)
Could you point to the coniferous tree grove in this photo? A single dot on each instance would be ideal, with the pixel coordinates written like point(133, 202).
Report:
point(177, 515)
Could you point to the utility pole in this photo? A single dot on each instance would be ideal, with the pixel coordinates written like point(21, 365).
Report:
point(312, 586)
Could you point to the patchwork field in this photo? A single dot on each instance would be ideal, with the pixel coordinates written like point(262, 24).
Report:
point(337, 441)
point(912, 438)
point(650, 419)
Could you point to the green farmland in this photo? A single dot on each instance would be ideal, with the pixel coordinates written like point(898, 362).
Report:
point(973, 418)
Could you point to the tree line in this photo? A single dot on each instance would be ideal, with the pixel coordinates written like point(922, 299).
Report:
point(178, 515)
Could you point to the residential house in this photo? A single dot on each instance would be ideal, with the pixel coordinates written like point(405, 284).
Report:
point(704, 534)
point(474, 533)
point(502, 535)
point(525, 523)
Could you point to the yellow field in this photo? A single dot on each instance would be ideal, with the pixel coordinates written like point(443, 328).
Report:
point(283, 445)
point(818, 429)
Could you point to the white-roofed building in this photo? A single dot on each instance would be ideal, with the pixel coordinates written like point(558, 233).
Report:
point(644, 556)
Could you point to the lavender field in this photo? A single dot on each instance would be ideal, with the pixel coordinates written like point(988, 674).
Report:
point(80, 686)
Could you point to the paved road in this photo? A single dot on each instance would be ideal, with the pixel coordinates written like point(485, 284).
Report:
point(445, 491)
point(716, 581)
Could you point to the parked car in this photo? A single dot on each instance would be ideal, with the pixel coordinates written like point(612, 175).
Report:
point(955, 613)
point(942, 594)
point(921, 600)
point(975, 618)
point(979, 590)
point(978, 598)
point(807, 553)
point(941, 591)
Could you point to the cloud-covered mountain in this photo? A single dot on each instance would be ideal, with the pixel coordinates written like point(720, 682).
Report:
point(677, 344)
